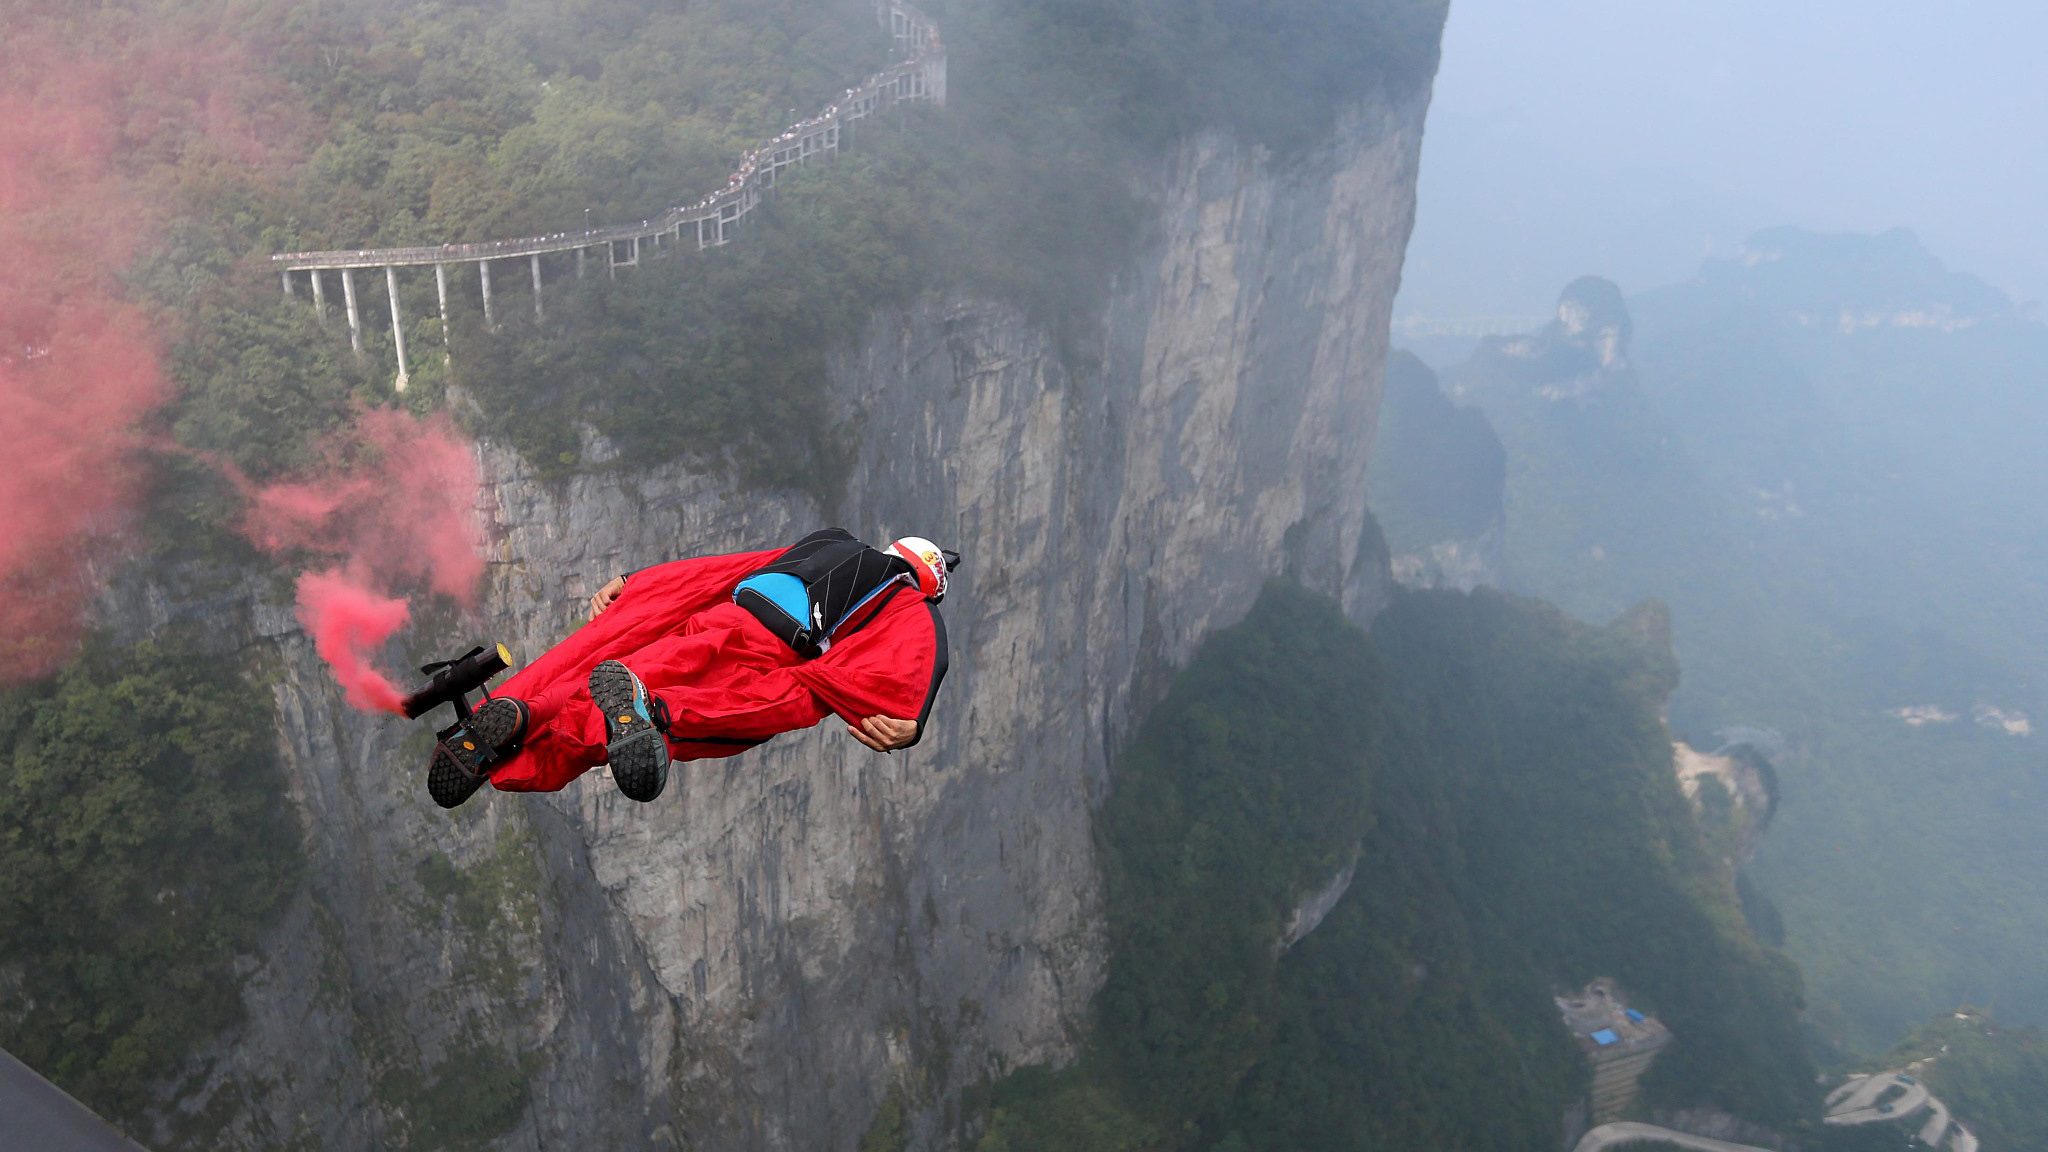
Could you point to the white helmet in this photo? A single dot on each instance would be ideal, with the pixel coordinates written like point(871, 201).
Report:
point(928, 564)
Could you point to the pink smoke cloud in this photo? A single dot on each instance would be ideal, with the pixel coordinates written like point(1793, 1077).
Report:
point(395, 508)
point(347, 622)
point(71, 476)
point(103, 112)
point(91, 117)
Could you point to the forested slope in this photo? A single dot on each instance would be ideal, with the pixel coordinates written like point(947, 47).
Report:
point(1505, 776)
point(1990, 1075)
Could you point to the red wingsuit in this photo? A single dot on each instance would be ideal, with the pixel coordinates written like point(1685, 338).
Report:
point(728, 682)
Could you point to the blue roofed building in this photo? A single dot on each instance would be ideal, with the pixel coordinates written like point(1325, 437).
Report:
point(1618, 1041)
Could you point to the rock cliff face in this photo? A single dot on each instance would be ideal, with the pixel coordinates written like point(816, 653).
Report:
point(1438, 481)
point(789, 937)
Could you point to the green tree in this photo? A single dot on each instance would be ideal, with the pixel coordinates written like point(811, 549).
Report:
point(145, 843)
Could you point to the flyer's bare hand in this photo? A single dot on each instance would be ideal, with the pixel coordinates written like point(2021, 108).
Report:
point(884, 733)
point(605, 595)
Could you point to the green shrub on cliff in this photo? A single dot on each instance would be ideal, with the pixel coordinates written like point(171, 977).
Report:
point(145, 845)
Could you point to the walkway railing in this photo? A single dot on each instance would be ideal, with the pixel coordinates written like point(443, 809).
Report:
point(921, 75)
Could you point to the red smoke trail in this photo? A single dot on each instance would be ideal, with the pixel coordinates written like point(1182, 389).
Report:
point(347, 621)
point(104, 115)
point(90, 114)
point(396, 507)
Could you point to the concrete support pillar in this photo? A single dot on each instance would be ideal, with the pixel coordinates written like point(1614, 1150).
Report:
point(287, 276)
point(319, 296)
point(441, 290)
point(537, 314)
point(397, 326)
point(490, 317)
point(355, 319)
point(636, 251)
point(580, 254)
point(611, 258)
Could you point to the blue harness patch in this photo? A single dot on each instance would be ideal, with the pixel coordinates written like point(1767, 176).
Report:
point(785, 592)
point(823, 582)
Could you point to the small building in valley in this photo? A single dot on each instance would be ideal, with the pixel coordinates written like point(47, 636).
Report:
point(1619, 1043)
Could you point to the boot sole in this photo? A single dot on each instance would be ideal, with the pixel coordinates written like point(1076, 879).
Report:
point(638, 753)
point(448, 782)
point(455, 772)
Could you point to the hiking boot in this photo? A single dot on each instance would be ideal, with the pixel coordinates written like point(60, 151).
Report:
point(633, 731)
point(462, 759)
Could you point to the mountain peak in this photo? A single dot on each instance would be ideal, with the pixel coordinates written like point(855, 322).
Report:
point(1591, 313)
point(1853, 281)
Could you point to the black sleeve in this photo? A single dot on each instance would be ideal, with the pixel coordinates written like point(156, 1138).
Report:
point(940, 659)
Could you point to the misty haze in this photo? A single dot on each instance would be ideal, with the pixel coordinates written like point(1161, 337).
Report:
point(1025, 576)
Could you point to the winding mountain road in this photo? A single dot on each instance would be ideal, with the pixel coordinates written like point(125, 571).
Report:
point(1843, 1090)
point(1936, 1126)
point(1629, 1132)
point(1857, 1101)
point(1860, 1106)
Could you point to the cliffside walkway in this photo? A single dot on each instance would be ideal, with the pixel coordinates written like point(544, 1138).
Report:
point(920, 75)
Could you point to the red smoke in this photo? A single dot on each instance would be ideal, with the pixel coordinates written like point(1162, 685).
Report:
point(72, 381)
point(78, 368)
point(395, 508)
point(105, 115)
point(347, 621)
point(86, 125)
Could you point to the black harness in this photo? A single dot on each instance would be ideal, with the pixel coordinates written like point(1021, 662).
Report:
point(824, 584)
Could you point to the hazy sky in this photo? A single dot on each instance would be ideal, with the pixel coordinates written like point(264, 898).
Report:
point(1631, 137)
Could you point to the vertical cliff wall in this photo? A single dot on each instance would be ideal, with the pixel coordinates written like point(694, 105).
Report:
point(1439, 483)
point(788, 937)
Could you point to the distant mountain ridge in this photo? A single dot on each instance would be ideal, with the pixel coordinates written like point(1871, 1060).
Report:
point(1853, 281)
point(1826, 454)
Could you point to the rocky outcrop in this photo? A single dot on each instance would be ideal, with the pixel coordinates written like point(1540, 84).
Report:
point(1308, 915)
point(1439, 483)
point(788, 937)
point(1732, 793)
point(1580, 354)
